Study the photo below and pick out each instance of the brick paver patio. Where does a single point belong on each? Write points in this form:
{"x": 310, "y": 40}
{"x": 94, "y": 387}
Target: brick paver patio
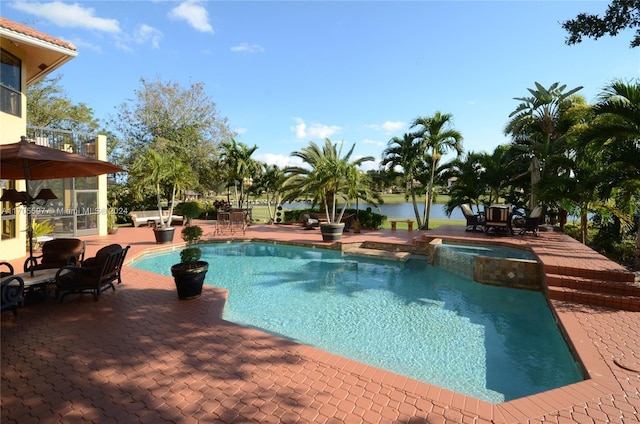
{"x": 140, "y": 355}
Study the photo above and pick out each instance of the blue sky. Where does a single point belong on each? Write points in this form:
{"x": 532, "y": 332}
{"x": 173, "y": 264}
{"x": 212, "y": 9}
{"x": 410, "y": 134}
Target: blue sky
{"x": 285, "y": 73}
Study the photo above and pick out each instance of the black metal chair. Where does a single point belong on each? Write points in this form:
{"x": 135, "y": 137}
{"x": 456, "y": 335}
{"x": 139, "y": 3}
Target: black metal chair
{"x": 12, "y": 293}
{"x": 530, "y": 223}
{"x": 9, "y": 270}
{"x": 474, "y": 220}
{"x": 95, "y": 275}
{"x": 498, "y": 219}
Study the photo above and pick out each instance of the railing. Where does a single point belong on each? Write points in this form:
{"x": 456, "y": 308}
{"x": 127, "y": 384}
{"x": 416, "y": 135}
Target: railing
{"x": 70, "y": 141}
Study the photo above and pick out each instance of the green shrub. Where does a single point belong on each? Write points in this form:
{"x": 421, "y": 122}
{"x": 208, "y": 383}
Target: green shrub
{"x": 367, "y": 218}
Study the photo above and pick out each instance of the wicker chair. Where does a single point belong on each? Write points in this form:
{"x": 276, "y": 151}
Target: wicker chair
{"x": 95, "y": 275}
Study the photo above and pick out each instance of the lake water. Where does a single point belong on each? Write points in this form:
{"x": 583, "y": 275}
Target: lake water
{"x": 396, "y": 210}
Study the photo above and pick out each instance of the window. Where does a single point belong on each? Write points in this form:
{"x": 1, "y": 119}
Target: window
{"x": 10, "y": 84}
{"x": 8, "y": 216}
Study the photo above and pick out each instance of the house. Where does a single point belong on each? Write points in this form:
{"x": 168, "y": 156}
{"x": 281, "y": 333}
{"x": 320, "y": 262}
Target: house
{"x": 27, "y": 57}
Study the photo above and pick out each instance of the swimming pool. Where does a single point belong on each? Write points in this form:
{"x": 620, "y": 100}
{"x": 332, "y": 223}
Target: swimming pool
{"x": 411, "y": 318}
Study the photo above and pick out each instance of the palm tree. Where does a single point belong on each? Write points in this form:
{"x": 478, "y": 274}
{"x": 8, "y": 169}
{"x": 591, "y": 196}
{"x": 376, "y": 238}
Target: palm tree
{"x": 239, "y": 165}
{"x": 165, "y": 174}
{"x": 270, "y": 183}
{"x": 535, "y": 127}
{"x": 436, "y": 138}
{"x": 616, "y": 132}
{"x": 404, "y": 153}
{"x": 327, "y": 177}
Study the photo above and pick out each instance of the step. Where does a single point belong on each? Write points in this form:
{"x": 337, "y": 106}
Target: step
{"x": 613, "y": 275}
{"x": 376, "y": 253}
{"x": 614, "y": 301}
{"x": 593, "y": 285}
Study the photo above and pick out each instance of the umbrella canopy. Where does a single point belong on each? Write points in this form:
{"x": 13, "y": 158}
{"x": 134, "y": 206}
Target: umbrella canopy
{"x": 30, "y": 161}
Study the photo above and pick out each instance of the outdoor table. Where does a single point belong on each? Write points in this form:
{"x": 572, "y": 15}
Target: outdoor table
{"x": 37, "y": 283}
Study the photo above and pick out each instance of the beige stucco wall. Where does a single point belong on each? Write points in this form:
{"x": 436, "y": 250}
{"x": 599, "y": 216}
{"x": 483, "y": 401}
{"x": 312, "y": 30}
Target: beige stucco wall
{"x": 11, "y": 128}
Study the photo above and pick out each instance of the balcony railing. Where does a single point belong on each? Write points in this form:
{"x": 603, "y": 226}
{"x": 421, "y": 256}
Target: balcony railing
{"x": 70, "y": 141}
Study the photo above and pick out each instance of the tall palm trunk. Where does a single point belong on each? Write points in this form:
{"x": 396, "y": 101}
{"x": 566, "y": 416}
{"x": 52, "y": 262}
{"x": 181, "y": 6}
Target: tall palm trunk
{"x": 414, "y": 201}
{"x": 428, "y": 199}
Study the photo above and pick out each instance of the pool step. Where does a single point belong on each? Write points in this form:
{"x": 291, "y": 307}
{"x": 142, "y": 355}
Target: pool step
{"x": 591, "y": 291}
{"x": 376, "y": 253}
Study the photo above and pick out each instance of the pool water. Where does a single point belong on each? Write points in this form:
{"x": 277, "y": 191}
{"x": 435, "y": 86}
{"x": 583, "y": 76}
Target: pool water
{"x": 411, "y": 318}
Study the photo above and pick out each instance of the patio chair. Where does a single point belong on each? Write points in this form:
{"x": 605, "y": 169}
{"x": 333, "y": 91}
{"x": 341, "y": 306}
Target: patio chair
{"x": 94, "y": 275}
{"x": 498, "y": 219}
{"x": 238, "y": 221}
{"x": 8, "y": 271}
{"x": 309, "y": 223}
{"x": 474, "y": 220}
{"x": 529, "y": 223}
{"x": 57, "y": 253}
{"x": 12, "y": 293}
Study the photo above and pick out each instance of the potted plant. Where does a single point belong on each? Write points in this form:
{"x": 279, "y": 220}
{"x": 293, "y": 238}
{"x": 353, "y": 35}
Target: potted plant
{"x": 112, "y": 221}
{"x": 164, "y": 173}
{"x": 327, "y": 178}
{"x": 189, "y": 274}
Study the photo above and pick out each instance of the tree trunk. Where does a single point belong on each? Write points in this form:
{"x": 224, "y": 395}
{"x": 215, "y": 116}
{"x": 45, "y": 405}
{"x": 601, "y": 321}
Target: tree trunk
{"x": 637, "y": 261}
{"x": 584, "y": 225}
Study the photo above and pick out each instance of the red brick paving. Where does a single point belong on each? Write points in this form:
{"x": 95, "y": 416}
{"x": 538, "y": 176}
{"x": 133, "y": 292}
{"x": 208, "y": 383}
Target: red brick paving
{"x": 140, "y": 355}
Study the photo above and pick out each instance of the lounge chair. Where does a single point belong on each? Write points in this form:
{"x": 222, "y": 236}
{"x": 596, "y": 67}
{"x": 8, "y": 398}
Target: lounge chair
{"x": 309, "y": 223}
{"x": 475, "y": 221}
{"x": 498, "y": 219}
{"x": 94, "y": 275}
{"x": 529, "y": 223}
{"x": 57, "y": 253}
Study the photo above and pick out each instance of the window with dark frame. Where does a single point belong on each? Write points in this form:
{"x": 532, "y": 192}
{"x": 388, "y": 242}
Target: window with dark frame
{"x": 10, "y": 84}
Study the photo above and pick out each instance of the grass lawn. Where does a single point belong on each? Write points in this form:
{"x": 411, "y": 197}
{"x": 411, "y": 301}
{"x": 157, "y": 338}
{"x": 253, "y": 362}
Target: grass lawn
{"x": 261, "y": 215}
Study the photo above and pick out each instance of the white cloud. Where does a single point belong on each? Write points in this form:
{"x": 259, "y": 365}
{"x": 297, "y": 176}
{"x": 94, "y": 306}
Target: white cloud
{"x": 240, "y": 131}
{"x": 281, "y": 161}
{"x": 194, "y": 14}
{"x": 146, "y": 33}
{"x": 315, "y": 131}
{"x": 374, "y": 142}
{"x": 68, "y": 15}
{"x": 248, "y": 48}
{"x": 389, "y": 127}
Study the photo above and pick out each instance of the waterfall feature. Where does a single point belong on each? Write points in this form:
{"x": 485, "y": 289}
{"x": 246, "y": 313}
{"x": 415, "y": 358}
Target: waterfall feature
{"x": 454, "y": 260}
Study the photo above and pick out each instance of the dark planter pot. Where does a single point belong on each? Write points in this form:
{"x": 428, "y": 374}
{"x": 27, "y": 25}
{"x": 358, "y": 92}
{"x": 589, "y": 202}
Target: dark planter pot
{"x": 112, "y": 230}
{"x": 331, "y": 231}
{"x": 164, "y": 235}
{"x": 189, "y": 279}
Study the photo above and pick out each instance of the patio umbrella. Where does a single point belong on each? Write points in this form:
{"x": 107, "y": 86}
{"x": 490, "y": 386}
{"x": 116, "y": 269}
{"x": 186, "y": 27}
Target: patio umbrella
{"x": 30, "y": 161}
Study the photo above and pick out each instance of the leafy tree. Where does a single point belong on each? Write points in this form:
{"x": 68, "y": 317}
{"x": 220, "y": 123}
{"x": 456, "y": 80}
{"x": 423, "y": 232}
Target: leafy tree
{"x": 620, "y": 14}
{"x": 615, "y": 133}
{"x": 185, "y": 117}
{"x": 48, "y": 106}
{"x": 536, "y": 128}
{"x": 436, "y": 136}
{"x": 468, "y": 186}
